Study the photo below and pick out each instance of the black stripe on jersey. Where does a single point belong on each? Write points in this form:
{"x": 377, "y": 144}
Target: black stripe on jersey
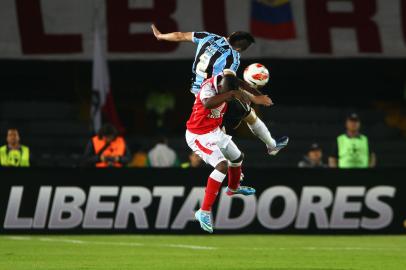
{"x": 229, "y": 61}
{"x": 200, "y": 35}
{"x": 215, "y": 57}
{"x": 213, "y": 60}
{"x": 202, "y": 50}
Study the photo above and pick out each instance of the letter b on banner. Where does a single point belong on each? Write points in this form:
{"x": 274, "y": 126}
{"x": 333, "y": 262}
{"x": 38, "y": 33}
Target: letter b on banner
{"x": 120, "y": 17}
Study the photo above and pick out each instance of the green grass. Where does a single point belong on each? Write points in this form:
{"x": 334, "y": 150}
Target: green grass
{"x": 202, "y": 252}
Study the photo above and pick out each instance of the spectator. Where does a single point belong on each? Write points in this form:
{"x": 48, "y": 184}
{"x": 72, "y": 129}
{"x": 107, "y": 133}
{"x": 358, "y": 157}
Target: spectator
{"x": 107, "y": 149}
{"x": 313, "y": 158}
{"x": 194, "y": 161}
{"x": 352, "y": 149}
{"x": 14, "y": 154}
{"x": 159, "y": 104}
{"x": 162, "y": 156}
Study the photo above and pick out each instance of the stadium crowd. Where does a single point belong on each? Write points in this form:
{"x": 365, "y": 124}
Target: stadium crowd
{"x": 351, "y": 149}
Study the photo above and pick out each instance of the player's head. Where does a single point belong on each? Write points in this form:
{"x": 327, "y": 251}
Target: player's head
{"x": 229, "y": 81}
{"x": 240, "y": 40}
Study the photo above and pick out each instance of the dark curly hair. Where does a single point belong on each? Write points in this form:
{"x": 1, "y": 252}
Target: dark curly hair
{"x": 241, "y": 40}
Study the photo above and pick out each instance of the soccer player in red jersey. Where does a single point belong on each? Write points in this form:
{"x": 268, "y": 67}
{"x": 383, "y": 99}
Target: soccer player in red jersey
{"x": 205, "y": 137}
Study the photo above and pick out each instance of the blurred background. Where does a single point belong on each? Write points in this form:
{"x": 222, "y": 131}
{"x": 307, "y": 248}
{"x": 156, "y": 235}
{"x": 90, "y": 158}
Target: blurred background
{"x": 60, "y": 61}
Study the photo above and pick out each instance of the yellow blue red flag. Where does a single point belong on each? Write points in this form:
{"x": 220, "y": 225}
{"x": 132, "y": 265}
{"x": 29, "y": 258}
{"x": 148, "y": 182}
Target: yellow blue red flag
{"x": 272, "y": 19}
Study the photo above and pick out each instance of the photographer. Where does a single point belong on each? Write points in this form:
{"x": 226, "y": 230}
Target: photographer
{"x": 107, "y": 149}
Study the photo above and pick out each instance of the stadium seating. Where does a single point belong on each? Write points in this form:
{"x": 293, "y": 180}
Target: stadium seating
{"x": 57, "y": 137}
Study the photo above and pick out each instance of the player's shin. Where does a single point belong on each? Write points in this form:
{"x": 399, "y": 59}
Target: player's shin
{"x": 259, "y": 129}
{"x": 234, "y": 175}
{"x": 212, "y": 189}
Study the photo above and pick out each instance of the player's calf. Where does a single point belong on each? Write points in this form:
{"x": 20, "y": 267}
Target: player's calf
{"x": 234, "y": 172}
{"x": 213, "y": 185}
{"x": 234, "y": 178}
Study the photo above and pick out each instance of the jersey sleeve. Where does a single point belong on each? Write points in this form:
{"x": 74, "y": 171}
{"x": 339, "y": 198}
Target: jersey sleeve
{"x": 207, "y": 91}
{"x": 198, "y": 36}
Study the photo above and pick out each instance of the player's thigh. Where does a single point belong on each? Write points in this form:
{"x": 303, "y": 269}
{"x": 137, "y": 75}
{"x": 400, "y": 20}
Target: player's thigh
{"x": 212, "y": 155}
{"x": 236, "y": 112}
{"x": 205, "y": 147}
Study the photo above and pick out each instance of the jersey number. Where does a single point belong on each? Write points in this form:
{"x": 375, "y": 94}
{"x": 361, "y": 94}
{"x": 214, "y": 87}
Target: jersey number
{"x": 201, "y": 67}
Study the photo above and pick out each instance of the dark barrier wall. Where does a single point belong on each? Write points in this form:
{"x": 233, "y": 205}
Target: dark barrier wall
{"x": 163, "y": 201}
{"x": 292, "y": 80}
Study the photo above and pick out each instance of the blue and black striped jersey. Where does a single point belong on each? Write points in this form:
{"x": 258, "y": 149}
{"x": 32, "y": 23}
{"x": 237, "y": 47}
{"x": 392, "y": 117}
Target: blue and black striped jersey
{"x": 213, "y": 55}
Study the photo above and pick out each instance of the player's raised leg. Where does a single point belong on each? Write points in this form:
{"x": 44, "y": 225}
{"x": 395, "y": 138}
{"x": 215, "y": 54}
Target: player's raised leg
{"x": 259, "y": 129}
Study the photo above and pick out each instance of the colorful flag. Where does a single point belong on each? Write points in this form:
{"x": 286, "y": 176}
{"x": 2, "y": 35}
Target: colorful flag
{"x": 102, "y": 99}
{"x": 272, "y": 19}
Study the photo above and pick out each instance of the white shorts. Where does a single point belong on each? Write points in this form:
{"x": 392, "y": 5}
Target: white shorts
{"x": 213, "y": 147}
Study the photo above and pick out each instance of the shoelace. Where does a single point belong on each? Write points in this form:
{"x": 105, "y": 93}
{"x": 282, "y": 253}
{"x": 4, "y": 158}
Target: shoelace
{"x": 206, "y": 218}
{"x": 245, "y": 189}
{"x": 281, "y": 144}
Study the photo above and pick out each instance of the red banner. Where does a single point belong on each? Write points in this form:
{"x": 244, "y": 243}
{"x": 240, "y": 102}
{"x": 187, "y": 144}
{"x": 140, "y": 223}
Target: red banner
{"x": 34, "y": 29}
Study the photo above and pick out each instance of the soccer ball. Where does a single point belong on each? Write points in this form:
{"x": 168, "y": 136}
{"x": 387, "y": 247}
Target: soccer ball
{"x": 256, "y": 75}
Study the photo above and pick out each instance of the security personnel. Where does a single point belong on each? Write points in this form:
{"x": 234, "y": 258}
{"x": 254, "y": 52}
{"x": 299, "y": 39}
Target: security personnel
{"x": 107, "y": 149}
{"x": 352, "y": 149}
{"x": 14, "y": 154}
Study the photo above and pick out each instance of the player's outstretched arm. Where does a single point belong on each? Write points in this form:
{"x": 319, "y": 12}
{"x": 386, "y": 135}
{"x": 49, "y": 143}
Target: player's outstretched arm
{"x": 264, "y": 100}
{"x": 215, "y": 101}
{"x": 174, "y": 36}
{"x": 245, "y": 86}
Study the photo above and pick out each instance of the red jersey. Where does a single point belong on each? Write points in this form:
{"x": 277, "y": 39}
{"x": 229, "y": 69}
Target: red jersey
{"x": 204, "y": 120}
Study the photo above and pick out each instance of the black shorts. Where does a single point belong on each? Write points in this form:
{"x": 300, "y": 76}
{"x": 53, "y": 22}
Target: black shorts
{"x": 236, "y": 112}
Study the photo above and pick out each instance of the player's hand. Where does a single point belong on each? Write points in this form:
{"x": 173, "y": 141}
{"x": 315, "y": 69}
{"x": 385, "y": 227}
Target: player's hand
{"x": 264, "y": 100}
{"x": 156, "y": 32}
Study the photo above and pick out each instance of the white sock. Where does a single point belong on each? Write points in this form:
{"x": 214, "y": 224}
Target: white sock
{"x": 217, "y": 176}
{"x": 261, "y": 131}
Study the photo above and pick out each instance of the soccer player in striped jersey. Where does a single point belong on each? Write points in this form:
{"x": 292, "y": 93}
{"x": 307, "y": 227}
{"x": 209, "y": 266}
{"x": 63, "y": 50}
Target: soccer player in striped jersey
{"x": 215, "y": 53}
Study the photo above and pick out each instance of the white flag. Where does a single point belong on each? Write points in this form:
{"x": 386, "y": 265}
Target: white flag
{"x": 102, "y": 100}
{"x": 100, "y": 82}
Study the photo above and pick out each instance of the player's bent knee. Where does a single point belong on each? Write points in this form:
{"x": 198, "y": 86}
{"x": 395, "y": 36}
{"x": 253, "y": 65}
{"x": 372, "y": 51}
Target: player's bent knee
{"x": 222, "y": 166}
{"x": 240, "y": 159}
{"x": 251, "y": 117}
